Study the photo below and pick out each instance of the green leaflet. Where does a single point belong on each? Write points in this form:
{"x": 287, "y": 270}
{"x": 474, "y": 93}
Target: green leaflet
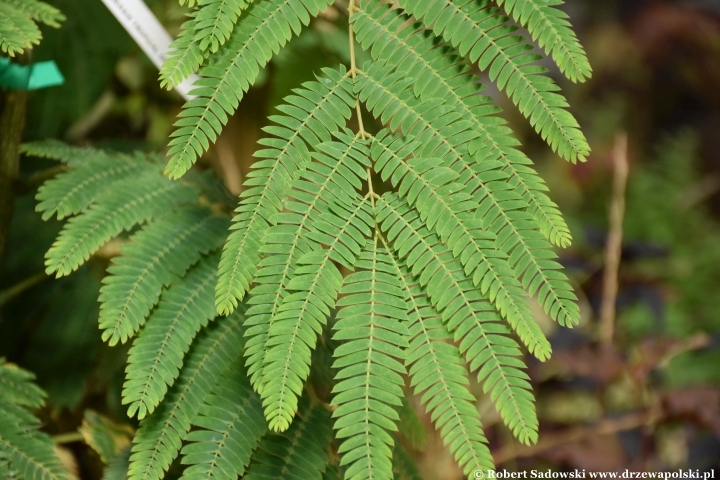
{"x": 230, "y": 425}
{"x": 38, "y": 11}
{"x": 311, "y": 293}
{"x": 61, "y": 151}
{"x": 17, "y": 30}
{"x": 439, "y": 73}
{"x": 267, "y": 26}
{"x": 371, "y": 323}
{"x": 156, "y": 256}
{"x": 474, "y": 322}
{"x": 287, "y": 240}
{"x": 158, "y": 440}
{"x": 317, "y": 110}
{"x": 502, "y": 209}
{"x": 184, "y": 56}
{"x": 215, "y": 21}
{"x": 482, "y": 34}
{"x": 17, "y": 387}
{"x": 131, "y": 202}
{"x": 438, "y": 375}
{"x": 71, "y": 192}
{"x": 299, "y": 452}
{"x": 549, "y": 27}
{"x": 25, "y": 452}
{"x": 444, "y": 207}
{"x": 155, "y": 359}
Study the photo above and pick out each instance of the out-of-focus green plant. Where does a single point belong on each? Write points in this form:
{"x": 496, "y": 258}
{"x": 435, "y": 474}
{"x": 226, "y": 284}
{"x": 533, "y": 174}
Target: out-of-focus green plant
{"x": 18, "y": 28}
{"x": 25, "y": 452}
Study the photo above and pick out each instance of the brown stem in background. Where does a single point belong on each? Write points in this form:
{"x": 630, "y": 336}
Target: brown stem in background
{"x": 613, "y": 250}
{"x": 12, "y": 292}
{"x": 13, "y": 105}
{"x": 550, "y": 440}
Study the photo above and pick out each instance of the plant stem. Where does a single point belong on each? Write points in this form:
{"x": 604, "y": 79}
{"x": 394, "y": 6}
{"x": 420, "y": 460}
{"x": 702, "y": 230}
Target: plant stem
{"x": 12, "y": 122}
{"x": 353, "y": 72}
{"x": 549, "y": 441}
{"x": 613, "y": 250}
{"x": 20, "y": 287}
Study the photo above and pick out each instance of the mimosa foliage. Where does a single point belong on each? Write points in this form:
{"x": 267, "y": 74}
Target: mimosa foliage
{"x": 18, "y": 23}
{"x": 25, "y": 452}
{"x": 411, "y": 284}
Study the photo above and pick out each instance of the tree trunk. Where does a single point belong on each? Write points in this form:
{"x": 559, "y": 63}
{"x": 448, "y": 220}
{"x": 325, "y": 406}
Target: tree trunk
{"x": 13, "y": 105}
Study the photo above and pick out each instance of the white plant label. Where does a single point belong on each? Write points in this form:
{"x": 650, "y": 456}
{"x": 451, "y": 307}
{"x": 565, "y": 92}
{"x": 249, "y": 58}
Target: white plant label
{"x": 144, "y": 27}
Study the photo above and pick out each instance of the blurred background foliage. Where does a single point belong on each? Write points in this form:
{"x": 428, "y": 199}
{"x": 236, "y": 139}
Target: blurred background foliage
{"x": 652, "y": 401}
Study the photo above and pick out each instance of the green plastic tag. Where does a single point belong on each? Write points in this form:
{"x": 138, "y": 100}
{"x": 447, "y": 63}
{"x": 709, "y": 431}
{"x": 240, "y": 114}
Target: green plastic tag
{"x": 29, "y": 77}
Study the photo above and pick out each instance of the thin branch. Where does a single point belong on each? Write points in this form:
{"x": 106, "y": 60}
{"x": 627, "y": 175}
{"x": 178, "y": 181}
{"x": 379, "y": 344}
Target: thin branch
{"x": 549, "y": 441}
{"x": 12, "y": 292}
{"x": 614, "y": 241}
{"x": 69, "y": 437}
{"x": 353, "y": 72}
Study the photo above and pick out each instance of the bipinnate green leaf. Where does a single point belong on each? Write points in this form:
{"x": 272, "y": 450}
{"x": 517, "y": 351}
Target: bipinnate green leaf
{"x": 311, "y": 116}
{"x": 155, "y": 257}
{"x": 372, "y": 324}
{"x": 157, "y": 355}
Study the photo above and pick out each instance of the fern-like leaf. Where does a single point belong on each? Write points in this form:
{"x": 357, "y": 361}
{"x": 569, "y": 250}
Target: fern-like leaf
{"x": 438, "y": 73}
{"x": 230, "y": 426}
{"x": 317, "y": 110}
{"x": 184, "y": 56}
{"x": 61, "y": 151}
{"x": 71, "y": 192}
{"x": 474, "y": 321}
{"x": 131, "y": 202}
{"x": 549, "y": 27}
{"x": 287, "y": 240}
{"x": 159, "y": 438}
{"x": 155, "y": 256}
{"x": 215, "y": 22}
{"x": 311, "y": 293}
{"x": 25, "y": 452}
{"x": 481, "y": 33}
{"x": 267, "y": 26}
{"x": 502, "y": 210}
{"x": 38, "y": 11}
{"x": 30, "y": 455}
{"x": 438, "y": 375}
{"x": 17, "y": 30}
{"x": 372, "y": 323}
{"x": 155, "y": 359}
{"x": 299, "y": 452}
{"x": 17, "y": 387}
{"x": 444, "y": 207}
